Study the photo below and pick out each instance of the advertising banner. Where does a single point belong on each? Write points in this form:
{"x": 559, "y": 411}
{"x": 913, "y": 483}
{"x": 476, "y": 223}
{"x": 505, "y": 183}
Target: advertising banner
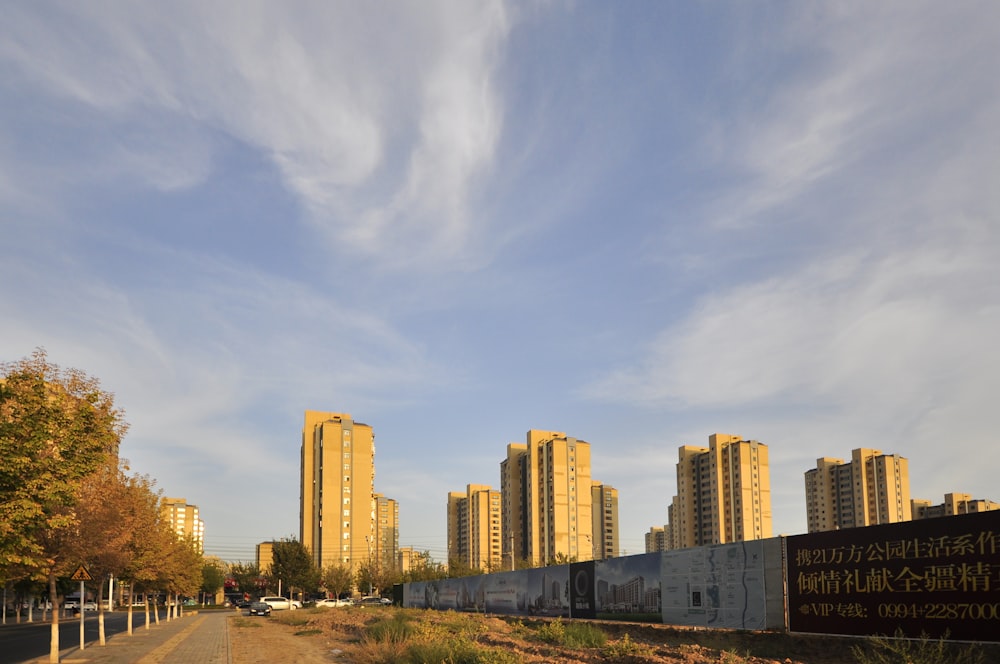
{"x": 929, "y": 576}
{"x": 720, "y": 586}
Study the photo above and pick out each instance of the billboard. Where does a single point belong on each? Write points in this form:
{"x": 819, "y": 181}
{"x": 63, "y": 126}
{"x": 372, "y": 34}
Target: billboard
{"x": 929, "y": 576}
{"x": 722, "y": 586}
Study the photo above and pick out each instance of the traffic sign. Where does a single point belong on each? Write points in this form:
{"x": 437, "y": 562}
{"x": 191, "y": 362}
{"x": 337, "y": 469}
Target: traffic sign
{"x": 81, "y": 574}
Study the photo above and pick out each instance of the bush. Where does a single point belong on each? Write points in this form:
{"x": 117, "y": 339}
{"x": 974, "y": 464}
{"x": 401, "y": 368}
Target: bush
{"x": 572, "y": 635}
{"x": 626, "y": 647}
{"x": 390, "y": 630}
{"x": 900, "y": 650}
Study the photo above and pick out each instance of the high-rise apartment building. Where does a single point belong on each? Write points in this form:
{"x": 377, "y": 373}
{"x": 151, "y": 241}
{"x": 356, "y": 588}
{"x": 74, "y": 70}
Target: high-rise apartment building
{"x": 183, "y": 519}
{"x": 386, "y": 547}
{"x": 954, "y": 503}
{"x": 337, "y": 506}
{"x": 604, "y": 510}
{"x": 656, "y": 539}
{"x": 474, "y": 527}
{"x": 872, "y": 488}
{"x": 265, "y": 557}
{"x": 723, "y": 492}
{"x": 545, "y": 485}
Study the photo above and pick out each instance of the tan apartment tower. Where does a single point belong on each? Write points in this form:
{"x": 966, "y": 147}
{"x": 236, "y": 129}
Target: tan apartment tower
{"x": 474, "y": 528}
{"x": 872, "y": 488}
{"x": 337, "y": 492}
{"x": 265, "y": 557}
{"x": 656, "y": 539}
{"x": 954, "y": 503}
{"x": 547, "y": 512}
{"x": 723, "y": 492}
{"x": 183, "y": 520}
{"x": 604, "y": 509}
{"x": 386, "y": 543}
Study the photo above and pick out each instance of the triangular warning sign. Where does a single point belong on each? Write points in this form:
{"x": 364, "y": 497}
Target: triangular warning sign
{"x": 81, "y": 574}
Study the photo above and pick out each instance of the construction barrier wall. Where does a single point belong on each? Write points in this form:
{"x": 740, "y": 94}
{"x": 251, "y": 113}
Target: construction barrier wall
{"x": 933, "y": 576}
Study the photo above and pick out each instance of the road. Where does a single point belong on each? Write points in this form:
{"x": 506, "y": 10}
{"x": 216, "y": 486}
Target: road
{"x": 28, "y": 641}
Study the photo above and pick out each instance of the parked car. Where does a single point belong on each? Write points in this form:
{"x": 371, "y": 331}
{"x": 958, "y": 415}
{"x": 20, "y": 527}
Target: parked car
{"x": 71, "y": 604}
{"x": 277, "y": 603}
{"x": 259, "y": 609}
{"x": 374, "y": 601}
{"x": 90, "y": 606}
{"x": 323, "y": 603}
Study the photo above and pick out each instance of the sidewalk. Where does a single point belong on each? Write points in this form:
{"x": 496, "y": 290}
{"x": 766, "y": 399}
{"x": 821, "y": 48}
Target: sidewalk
{"x": 192, "y": 639}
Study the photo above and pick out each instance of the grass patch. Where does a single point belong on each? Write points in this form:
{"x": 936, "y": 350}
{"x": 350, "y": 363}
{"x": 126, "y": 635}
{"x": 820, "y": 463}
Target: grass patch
{"x": 245, "y": 622}
{"x": 572, "y": 635}
{"x": 308, "y": 632}
{"x": 626, "y": 647}
{"x": 290, "y": 618}
{"x": 925, "y": 650}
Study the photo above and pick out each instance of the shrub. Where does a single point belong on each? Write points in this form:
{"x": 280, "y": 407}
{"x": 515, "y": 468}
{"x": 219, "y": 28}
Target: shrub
{"x": 396, "y": 629}
{"x": 626, "y": 647}
{"x": 572, "y": 635}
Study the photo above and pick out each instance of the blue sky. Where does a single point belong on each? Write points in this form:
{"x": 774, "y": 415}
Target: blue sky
{"x": 637, "y": 223}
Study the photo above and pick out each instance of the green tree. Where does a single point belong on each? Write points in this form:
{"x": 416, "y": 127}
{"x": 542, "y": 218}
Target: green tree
{"x": 423, "y": 568}
{"x": 293, "y": 566}
{"x": 212, "y": 577}
{"x": 57, "y": 426}
{"x": 337, "y": 579}
{"x": 246, "y": 576}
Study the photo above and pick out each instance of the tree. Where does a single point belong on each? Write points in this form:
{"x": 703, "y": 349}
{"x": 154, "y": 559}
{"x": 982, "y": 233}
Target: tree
{"x": 212, "y": 577}
{"x": 337, "y": 579}
{"x": 293, "y": 566}
{"x": 57, "y": 426}
{"x": 423, "y": 568}
{"x": 246, "y": 576}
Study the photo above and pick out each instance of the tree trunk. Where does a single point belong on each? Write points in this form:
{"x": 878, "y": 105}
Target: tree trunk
{"x": 54, "y": 639}
{"x": 100, "y": 613}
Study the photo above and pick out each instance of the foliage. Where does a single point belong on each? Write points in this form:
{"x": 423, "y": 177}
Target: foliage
{"x": 423, "y": 568}
{"x": 246, "y": 576}
{"x": 398, "y": 639}
{"x": 900, "y": 650}
{"x": 396, "y": 629}
{"x": 626, "y": 647}
{"x": 56, "y": 427}
{"x": 458, "y": 568}
{"x": 212, "y": 576}
{"x": 572, "y": 635}
{"x": 374, "y": 578}
{"x": 337, "y": 579}
{"x": 293, "y": 566}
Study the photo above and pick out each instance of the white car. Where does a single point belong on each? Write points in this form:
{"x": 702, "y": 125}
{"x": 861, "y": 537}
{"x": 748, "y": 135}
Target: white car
{"x": 277, "y": 603}
{"x": 90, "y": 606}
{"x": 333, "y": 603}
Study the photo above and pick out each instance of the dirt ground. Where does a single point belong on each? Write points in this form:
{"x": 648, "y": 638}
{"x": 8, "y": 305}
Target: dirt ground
{"x": 311, "y": 636}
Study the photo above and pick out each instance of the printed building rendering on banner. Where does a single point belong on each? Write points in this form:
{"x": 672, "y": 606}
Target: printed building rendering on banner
{"x": 542, "y": 591}
{"x": 720, "y": 586}
{"x": 929, "y": 576}
{"x": 628, "y": 588}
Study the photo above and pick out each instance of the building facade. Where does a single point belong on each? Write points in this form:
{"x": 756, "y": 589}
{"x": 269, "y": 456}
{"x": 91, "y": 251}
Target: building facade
{"x": 265, "y": 557}
{"x": 954, "y": 503}
{"x": 872, "y": 488}
{"x": 604, "y": 510}
{"x": 546, "y": 489}
{"x": 723, "y": 493}
{"x": 386, "y": 549}
{"x": 474, "y": 532}
{"x": 184, "y": 520}
{"x": 656, "y": 539}
{"x": 337, "y": 503}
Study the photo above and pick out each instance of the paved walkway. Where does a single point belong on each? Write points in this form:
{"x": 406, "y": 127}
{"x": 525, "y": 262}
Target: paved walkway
{"x": 192, "y": 639}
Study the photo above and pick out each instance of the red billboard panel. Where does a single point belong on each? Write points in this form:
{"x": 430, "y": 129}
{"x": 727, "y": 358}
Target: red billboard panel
{"x": 932, "y": 576}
